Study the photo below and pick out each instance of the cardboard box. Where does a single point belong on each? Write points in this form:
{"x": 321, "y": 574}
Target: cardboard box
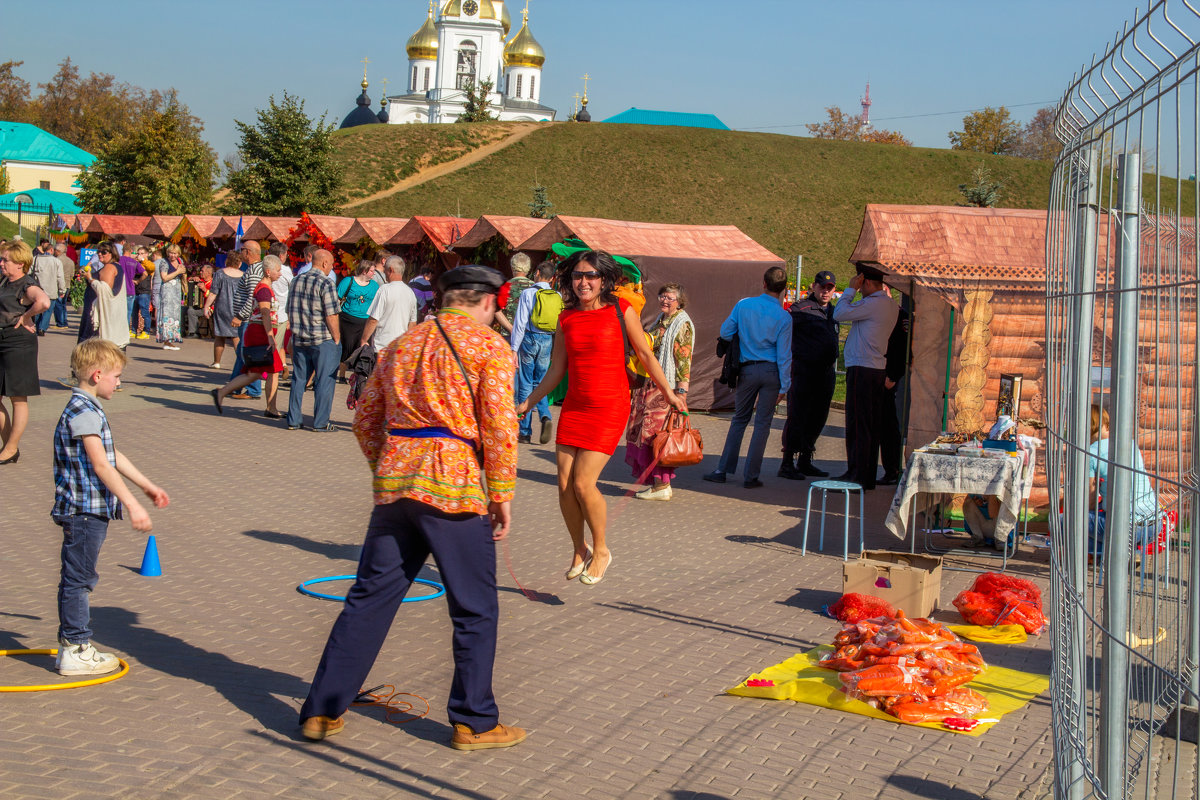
{"x": 910, "y": 582}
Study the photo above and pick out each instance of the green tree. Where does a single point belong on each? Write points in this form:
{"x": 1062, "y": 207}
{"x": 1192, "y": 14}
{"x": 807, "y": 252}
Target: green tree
{"x": 982, "y": 191}
{"x": 286, "y": 163}
{"x": 989, "y": 131}
{"x": 14, "y": 93}
{"x": 475, "y": 107}
{"x": 541, "y": 207}
{"x": 848, "y": 128}
{"x": 5, "y": 187}
{"x": 1038, "y": 140}
{"x": 162, "y": 166}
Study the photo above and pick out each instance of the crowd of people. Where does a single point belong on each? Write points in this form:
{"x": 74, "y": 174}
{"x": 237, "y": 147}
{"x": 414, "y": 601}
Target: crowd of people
{"x": 453, "y": 379}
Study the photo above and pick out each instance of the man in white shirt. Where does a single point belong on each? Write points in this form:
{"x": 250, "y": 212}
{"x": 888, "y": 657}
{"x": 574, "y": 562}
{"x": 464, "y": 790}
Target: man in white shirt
{"x": 871, "y": 321}
{"x": 394, "y": 309}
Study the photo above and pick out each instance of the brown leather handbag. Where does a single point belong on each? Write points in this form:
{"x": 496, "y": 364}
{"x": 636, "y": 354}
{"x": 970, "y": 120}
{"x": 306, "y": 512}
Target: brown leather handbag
{"x": 678, "y": 444}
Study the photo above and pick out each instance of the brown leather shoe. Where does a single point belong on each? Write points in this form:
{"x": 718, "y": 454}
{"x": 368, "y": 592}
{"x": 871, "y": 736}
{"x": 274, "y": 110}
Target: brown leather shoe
{"x": 318, "y": 728}
{"x": 239, "y": 396}
{"x": 500, "y": 736}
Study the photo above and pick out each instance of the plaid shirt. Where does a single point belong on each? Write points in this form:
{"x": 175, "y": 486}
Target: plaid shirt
{"x": 77, "y": 487}
{"x": 311, "y": 299}
{"x": 243, "y": 296}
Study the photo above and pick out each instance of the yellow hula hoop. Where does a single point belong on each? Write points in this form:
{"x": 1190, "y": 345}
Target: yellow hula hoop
{"x": 48, "y": 687}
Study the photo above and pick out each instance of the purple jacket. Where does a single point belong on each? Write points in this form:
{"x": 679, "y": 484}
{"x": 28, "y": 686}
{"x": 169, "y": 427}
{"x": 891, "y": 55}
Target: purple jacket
{"x": 132, "y": 269}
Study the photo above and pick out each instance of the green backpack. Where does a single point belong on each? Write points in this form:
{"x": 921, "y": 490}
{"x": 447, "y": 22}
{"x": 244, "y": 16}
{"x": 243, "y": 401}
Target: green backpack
{"x": 547, "y": 305}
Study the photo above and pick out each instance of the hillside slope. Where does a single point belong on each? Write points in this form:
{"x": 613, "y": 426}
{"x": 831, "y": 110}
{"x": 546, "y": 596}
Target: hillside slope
{"x": 793, "y": 195}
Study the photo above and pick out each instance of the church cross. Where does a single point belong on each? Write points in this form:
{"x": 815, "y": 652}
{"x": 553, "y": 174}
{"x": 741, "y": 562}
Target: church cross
{"x": 365, "y": 61}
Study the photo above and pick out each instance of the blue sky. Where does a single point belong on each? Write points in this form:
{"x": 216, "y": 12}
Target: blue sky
{"x": 768, "y": 65}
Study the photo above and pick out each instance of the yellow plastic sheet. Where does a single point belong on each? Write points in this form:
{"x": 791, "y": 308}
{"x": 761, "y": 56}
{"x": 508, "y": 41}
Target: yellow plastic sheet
{"x": 800, "y": 679}
{"x": 999, "y": 634}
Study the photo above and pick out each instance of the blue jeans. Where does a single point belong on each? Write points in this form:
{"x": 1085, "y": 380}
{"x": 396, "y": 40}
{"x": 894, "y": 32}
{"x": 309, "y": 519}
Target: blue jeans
{"x": 321, "y": 361}
{"x": 42, "y": 320}
{"x": 58, "y": 307}
{"x": 533, "y": 361}
{"x": 400, "y": 537}
{"x": 1143, "y": 533}
{"x": 758, "y": 388}
{"x": 83, "y": 534}
{"x": 140, "y": 304}
{"x": 254, "y": 389}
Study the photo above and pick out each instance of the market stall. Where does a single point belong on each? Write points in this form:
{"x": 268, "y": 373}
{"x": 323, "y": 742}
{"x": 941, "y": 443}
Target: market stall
{"x": 494, "y": 239}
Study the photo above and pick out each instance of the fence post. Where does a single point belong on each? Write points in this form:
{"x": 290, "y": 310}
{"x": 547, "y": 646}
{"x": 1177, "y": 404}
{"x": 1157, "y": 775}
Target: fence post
{"x": 1118, "y": 501}
{"x": 1082, "y": 287}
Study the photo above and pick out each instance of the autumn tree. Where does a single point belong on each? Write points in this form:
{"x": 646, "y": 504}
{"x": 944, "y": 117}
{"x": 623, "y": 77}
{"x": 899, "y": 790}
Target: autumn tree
{"x": 162, "y": 166}
{"x": 475, "y": 106}
{"x": 982, "y": 191}
{"x": 989, "y": 131}
{"x": 849, "y": 128}
{"x": 90, "y": 112}
{"x": 1037, "y": 139}
{"x": 14, "y": 93}
{"x": 286, "y": 163}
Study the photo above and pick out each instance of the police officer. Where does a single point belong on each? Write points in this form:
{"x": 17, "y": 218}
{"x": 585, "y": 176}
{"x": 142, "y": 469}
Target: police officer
{"x": 814, "y": 356}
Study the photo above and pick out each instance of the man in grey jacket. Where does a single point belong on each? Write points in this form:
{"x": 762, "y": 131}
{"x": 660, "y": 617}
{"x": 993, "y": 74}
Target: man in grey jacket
{"x": 48, "y": 271}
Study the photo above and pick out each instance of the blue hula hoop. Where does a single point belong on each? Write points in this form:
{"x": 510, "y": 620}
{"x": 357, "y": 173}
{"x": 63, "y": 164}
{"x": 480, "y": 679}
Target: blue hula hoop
{"x": 303, "y": 589}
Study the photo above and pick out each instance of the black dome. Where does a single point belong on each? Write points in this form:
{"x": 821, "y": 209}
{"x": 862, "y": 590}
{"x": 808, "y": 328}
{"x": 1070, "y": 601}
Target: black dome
{"x": 382, "y": 115}
{"x": 582, "y": 116}
{"x": 362, "y": 113}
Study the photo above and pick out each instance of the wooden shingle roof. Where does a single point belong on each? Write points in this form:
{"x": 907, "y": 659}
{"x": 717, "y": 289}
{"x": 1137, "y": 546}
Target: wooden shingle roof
{"x": 716, "y": 242}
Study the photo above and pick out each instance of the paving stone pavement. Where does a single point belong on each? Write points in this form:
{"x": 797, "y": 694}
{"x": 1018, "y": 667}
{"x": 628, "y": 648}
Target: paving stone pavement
{"x": 620, "y": 685}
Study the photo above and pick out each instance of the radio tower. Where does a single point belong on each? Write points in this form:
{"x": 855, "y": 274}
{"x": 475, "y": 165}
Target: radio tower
{"x": 866, "y": 108}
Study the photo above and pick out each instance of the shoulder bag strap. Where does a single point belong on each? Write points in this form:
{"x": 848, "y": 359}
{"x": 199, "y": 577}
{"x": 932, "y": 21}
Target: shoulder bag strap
{"x": 471, "y": 389}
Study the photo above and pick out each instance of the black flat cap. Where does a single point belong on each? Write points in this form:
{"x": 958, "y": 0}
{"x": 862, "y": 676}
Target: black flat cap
{"x": 472, "y": 276}
{"x": 823, "y": 278}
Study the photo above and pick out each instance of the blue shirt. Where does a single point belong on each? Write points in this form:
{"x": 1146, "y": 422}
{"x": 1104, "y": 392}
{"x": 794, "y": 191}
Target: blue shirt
{"x": 77, "y": 487}
{"x": 521, "y": 315}
{"x": 764, "y": 330}
{"x": 874, "y": 317}
{"x": 1145, "y": 504}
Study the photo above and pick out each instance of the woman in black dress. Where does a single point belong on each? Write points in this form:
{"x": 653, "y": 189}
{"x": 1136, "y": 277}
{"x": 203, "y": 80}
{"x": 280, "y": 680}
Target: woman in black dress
{"x": 21, "y": 299}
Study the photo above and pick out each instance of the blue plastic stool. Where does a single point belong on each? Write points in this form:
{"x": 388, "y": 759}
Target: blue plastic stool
{"x": 835, "y": 486}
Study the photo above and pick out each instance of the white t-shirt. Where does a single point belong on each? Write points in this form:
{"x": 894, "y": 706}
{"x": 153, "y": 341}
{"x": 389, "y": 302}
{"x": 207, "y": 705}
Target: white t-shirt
{"x": 280, "y": 288}
{"x": 395, "y": 308}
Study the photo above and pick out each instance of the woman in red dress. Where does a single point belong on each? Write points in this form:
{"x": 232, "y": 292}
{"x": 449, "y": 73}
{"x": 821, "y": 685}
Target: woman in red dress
{"x": 259, "y": 333}
{"x": 589, "y": 348}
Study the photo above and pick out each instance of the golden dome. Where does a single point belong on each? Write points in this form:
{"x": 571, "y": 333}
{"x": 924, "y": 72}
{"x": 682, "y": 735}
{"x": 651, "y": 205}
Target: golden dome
{"x": 505, "y": 19}
{"x": 453, "y": 8}
{"x": 523, "y": 50}
{"x": 424, "y": 43}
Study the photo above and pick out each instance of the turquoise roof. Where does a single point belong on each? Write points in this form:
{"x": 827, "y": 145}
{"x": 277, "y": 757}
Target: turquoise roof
{"x": 683, "y": 119}
{"x": 22, "y": 142}
{"x": 43, "y": 200}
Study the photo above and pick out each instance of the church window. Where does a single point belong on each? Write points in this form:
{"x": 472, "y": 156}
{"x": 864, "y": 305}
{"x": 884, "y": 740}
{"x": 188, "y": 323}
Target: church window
{"x": 532, "y": 79}
{"x": 427, "y": 79}
{"x": 518, "y": 86}
{"x": 468, "y": 57}
{"x": 413, "y": 85}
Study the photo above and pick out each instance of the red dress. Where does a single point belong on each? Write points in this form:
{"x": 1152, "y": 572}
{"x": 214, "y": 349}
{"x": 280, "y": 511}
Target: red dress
{"x": 256, "y": 336}
{"x": 596, "y": 408}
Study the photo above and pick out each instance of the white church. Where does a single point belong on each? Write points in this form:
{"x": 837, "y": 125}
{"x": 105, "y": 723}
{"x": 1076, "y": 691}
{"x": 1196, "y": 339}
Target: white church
{"x": 467, "y": 43}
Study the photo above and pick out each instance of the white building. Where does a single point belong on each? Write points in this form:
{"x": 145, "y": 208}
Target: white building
{"x": 467, "y": 43}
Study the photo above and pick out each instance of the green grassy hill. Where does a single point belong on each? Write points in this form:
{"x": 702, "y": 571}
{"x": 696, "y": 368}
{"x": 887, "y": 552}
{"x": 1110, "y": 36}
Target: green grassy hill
{"x": 791, "y": 194}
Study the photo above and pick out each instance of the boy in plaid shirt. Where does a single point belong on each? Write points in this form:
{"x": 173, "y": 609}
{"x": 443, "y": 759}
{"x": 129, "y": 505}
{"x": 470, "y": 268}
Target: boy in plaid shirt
{"x": 88, "y": 492}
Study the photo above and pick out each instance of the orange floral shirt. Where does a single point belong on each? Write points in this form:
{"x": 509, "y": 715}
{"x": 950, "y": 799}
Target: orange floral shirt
{"x": 417, "y": 384}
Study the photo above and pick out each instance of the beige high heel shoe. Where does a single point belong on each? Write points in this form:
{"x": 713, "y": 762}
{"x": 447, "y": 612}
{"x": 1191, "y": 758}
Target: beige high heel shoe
{"x": 577, "y": 570}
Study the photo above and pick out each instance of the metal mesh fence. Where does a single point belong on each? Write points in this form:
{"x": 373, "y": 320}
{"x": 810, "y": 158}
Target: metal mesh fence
{"x": 1121, "y": 408}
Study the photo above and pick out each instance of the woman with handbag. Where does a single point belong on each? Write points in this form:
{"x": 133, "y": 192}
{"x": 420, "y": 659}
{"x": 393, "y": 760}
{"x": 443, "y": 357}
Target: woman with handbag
{"x": 259, "y": 353}
{"x": 594, "y": 332}
{"x": 673, "y": 334}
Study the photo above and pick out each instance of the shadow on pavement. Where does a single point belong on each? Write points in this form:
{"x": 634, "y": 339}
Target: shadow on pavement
{"x": 923, "y": 787}
{"x": 331, "y": 550}
{"x": 812, "y": 600}
{"x": 251, "y": 689}
{"x": 712, "y": 625}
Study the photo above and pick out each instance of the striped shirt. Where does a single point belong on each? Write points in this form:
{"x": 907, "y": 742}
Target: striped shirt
{"x": 417, "y": 385}
{"x": 243, "y": 296}
{"x": 77, "y": 487}
{"x": 311, "y": 298}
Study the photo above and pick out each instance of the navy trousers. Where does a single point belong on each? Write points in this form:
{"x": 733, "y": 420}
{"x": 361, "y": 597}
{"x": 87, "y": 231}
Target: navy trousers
{"x": 400, "y": 537}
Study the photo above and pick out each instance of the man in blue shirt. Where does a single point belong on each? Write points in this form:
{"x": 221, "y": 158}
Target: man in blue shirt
{"x": 533, "y": 345}
{"x": 872, "y": 319}
{"x": 765, "y": 332}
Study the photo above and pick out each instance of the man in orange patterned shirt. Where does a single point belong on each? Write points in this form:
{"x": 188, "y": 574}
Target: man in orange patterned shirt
{"x": 438, "y": 407}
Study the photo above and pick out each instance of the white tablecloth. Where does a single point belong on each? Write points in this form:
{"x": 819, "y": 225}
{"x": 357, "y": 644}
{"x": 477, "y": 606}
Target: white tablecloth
{"x": 936, "y": 474}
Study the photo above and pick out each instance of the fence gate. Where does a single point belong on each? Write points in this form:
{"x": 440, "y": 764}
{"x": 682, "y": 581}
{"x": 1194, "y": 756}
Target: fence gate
{"x": 1122, "y": 340}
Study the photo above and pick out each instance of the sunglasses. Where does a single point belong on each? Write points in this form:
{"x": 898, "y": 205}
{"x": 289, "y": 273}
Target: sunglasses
{"x": 591, "y": 276}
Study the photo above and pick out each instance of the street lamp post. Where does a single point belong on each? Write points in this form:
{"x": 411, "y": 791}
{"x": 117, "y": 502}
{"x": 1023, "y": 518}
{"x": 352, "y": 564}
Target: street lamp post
{"x": 20, "y": 200}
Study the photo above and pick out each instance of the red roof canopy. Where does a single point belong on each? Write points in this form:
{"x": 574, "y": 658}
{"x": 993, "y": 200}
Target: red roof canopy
{"x": 514, "y": 230}
{"x": 333, "y": 227}
{"x": 273, "y": 228}
{"x": 440, "y": 231}
{"x": 113, "y": 224}
{"x": 379, "y": 230}
{"x": 162, "y": 225}
{"x": 715, "y": 242}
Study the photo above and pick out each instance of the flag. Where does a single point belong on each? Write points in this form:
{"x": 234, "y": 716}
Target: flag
{"x": 237, "y": 240}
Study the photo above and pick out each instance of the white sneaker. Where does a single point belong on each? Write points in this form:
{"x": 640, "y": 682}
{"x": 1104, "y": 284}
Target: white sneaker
{"x": 83, "y": 659}
{"x": 649, "y": 493}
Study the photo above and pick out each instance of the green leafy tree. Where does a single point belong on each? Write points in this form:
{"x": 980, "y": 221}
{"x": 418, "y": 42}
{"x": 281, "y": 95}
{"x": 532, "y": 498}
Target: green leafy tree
{"x": 475, "y": 107}
{"x": 162, "y": 166}
{"x": 848, "y": 128}
{"x": 5, "y": 187}
{"x": 541, "y": 207}
{"x": 982, "y": 191}
{"x": 286, "y": 163}
{"x": 14, "y": 93}
{"x": 989, "y": 131}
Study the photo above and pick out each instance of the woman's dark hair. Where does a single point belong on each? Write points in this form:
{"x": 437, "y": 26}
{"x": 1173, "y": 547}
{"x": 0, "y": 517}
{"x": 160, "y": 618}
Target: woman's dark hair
{"x": 107, "y": 247}
{"x": 602, "y": 262}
